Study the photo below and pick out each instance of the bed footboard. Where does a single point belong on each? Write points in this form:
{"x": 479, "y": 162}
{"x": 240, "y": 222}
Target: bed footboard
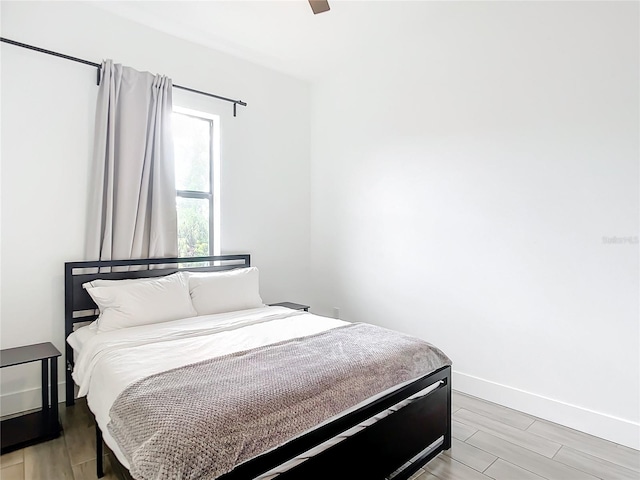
{"x": 394, "y": 447}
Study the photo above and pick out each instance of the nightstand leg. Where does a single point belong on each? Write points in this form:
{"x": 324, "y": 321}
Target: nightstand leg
{"x": 54, "y": 391}
{"x": 45, "y": 385}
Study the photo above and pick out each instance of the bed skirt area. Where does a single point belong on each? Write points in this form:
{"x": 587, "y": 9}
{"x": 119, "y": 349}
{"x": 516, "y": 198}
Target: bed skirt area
{"x": 394, "y": 447}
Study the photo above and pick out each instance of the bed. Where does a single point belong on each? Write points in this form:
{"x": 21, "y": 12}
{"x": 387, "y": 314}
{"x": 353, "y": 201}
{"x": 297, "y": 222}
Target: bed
{"x": 313, "y": 397}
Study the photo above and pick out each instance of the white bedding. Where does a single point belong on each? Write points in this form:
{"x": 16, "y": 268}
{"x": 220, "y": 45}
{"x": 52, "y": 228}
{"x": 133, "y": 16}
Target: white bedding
{"x": 107, "y": 362}
{"x": 110, "y": 361}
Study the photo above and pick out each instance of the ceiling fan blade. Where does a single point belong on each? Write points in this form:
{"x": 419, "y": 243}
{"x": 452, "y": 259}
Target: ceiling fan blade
{"x": 319, "y": 6}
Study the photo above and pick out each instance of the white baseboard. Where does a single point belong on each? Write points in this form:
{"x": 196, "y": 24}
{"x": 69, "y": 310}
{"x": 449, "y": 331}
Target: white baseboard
{"x": 614, "y": 429}
{"x": 17, "y": 402}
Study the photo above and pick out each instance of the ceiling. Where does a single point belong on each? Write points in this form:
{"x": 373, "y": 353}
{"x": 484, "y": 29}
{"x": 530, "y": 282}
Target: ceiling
{"x": 282, "y": 35}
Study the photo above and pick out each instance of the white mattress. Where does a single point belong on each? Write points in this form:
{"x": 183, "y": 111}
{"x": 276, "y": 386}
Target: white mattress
{"x": 107, "y": 362}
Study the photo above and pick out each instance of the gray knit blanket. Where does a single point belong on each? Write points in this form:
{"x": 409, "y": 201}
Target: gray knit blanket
{"x": 201, "y": 420}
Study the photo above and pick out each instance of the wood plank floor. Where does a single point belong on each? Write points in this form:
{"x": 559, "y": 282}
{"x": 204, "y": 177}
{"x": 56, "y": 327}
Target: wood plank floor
{"x": 490, "y": 442}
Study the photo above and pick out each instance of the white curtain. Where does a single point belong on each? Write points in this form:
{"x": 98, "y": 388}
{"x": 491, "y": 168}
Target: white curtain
{"x": 132, "y": 209}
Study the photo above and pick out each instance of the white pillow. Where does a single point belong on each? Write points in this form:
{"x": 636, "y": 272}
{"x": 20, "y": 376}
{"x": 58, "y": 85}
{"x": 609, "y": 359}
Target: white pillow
{"x": 226, "y": 291}
{"x": 141, "y": 303}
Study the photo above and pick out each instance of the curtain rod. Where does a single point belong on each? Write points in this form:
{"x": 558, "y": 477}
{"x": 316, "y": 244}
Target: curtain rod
{"x": 99, "y": 67}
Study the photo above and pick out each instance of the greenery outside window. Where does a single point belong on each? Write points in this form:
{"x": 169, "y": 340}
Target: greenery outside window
{"x": 196, "y": 144}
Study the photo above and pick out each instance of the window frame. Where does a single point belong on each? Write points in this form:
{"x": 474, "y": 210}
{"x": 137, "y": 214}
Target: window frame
{"x": 212, "y": 196}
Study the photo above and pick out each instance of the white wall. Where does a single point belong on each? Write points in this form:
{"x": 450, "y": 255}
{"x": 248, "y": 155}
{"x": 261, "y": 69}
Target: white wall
{"x": 463, "y": 178}
{"x": 47, "y": 108}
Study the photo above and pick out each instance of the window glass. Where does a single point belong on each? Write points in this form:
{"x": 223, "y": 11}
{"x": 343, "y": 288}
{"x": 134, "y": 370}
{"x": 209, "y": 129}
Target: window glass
{"x": 192, "y": 144}
{"x": 193, "y": 227}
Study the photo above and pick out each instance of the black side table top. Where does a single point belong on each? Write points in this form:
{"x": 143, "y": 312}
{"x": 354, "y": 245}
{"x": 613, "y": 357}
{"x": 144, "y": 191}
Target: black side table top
{"x": 294, "y": 306}
{"x": 28, "y": 353}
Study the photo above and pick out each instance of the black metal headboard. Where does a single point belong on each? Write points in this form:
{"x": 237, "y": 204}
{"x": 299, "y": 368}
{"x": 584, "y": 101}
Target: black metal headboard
{"x": 80, "y": 307}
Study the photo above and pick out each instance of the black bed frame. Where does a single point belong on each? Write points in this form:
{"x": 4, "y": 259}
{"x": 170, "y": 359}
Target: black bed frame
{"x": 394, "y": 447}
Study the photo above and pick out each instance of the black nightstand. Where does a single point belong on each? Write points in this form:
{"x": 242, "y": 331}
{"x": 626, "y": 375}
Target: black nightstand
{"x": 19, "y": 432}
{"x": 293, "y": 306}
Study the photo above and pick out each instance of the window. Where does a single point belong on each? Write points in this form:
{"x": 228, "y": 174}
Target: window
{"x": 196, "y": 143}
